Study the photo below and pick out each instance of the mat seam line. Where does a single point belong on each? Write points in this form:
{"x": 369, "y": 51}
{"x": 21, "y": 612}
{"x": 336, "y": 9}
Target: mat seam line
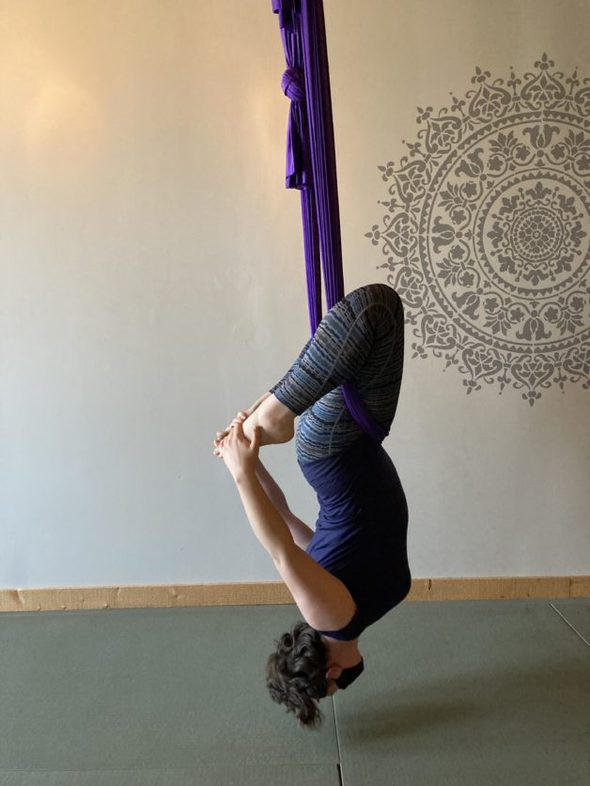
{"x": 575, "y": 630}
{"x": 339, "y": 765}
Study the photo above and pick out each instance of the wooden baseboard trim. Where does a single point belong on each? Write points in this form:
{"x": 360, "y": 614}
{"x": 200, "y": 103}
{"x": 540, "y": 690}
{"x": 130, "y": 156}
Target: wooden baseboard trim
{"x": 275, "y": 592}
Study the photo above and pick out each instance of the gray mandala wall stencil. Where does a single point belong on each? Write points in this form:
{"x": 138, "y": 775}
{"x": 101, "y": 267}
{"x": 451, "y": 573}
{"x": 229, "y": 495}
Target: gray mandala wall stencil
{"x": 487, "y": 231}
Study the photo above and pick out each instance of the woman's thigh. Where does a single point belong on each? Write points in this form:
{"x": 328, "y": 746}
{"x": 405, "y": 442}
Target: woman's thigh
{"x": 361, "y": 339}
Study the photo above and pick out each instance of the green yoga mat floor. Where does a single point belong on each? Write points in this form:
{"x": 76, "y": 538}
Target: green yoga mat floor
{"x": 468, "y": 693}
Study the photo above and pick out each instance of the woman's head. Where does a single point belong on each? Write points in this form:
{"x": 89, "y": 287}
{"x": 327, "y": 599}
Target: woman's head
{"x": 296, "y": 673}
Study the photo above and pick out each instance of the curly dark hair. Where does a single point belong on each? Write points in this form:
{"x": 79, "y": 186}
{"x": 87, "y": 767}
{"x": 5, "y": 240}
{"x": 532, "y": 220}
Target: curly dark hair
{"x": 296, "y": 673}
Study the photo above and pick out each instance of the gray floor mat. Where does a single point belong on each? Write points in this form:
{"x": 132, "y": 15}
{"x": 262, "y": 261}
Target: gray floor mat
{"x": 468, "y": 692}
{"x": 147, "y": 688}
{"x": 216, "y": 775}
{"x": 455, "y": 692}
{"x": 577, "y": 612}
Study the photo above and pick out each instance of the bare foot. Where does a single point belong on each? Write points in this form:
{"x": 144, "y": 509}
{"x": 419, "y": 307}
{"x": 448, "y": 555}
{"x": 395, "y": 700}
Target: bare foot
{"x": 274, "y": 418}
{"x": 241, "y": 416}
{"x": 277, "y": 422}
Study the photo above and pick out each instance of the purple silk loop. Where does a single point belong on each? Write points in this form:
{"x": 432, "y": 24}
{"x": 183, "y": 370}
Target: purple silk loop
{"x": 293, "y": 84}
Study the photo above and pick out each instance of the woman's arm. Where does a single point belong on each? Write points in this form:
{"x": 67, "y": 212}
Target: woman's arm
{"x": 267, "y": 523}
{"x": 269, "y": 484}
{"x": 302, "y": 534}
{"x": 323, "y": 600}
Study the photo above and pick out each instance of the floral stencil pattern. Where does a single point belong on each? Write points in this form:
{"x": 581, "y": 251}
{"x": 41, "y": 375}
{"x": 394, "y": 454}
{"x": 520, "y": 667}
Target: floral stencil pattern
{"x": 487, "y": 232}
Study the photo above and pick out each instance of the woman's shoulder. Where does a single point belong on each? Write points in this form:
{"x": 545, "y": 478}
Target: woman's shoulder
{"x": 323, "y": 599}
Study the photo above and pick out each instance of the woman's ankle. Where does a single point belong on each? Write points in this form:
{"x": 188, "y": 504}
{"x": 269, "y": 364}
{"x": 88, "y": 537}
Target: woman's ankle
{"x": 275, "y": 419}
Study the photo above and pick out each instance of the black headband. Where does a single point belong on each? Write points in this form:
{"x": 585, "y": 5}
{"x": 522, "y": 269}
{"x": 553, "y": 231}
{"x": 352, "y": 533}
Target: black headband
{"x": 349, "y": 675}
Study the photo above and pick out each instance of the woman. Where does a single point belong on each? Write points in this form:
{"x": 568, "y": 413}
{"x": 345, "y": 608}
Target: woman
{"x": 354, "y": 567}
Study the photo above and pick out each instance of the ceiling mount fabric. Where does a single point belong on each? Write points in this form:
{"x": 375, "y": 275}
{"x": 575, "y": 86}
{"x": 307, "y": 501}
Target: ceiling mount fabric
{"x": 311, "y": 167}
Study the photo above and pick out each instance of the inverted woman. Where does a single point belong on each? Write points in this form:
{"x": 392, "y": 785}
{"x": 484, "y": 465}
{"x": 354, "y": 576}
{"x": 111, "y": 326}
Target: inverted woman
{"x": 353, "y": 568}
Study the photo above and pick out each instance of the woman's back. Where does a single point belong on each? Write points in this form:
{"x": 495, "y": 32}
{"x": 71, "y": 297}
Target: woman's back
{"x": 361, "y": 530}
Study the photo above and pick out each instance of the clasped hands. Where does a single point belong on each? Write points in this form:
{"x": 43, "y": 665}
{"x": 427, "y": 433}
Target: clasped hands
{"x": 221, "y": 436}
{"x": 239, "y": 453}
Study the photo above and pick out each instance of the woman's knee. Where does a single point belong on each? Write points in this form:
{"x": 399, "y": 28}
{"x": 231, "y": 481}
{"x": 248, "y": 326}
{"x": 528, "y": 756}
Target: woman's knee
{"x": 373, "y": 294}
{"x": 375, "y": 305}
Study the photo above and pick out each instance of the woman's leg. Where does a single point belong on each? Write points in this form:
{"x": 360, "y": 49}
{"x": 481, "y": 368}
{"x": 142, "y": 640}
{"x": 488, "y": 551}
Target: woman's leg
{"x": 361, "y": 339}
{"x": 276, "y": 422}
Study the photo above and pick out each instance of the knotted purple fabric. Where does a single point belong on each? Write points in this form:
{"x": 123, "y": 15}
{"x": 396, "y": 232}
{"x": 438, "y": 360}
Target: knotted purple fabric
{"x": 293, "y": 84}
{"x": 311, "y": 166}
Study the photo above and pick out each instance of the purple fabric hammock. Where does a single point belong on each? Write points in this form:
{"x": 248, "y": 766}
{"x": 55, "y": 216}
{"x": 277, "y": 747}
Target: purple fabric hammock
{"x": 311, "y": 167}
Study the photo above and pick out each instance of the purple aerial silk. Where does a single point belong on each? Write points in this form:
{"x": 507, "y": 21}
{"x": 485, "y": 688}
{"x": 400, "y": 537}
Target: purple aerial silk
{"x": 311, "y": 166}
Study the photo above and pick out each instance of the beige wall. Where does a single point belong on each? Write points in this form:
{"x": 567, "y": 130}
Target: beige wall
{"x": 152, "y": 284}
